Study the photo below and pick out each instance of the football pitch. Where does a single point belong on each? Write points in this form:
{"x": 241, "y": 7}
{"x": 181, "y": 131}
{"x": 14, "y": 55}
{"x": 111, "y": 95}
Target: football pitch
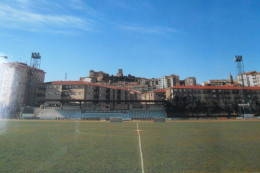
{"x": 81, "y": 146}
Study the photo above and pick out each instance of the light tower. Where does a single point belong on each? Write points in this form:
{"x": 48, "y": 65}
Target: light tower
{"x": 240, "y": 67}
{"x": 244, "y": 108}
{"x": 36, "y": 60}
{"x": 5, "y": 57}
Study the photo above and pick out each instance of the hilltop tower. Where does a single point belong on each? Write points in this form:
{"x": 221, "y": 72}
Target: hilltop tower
{"x": 120, "y": 73}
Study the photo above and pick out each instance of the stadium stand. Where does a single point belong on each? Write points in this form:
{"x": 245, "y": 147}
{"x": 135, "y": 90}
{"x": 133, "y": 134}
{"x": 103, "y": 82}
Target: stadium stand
{"x": 77, "y": 114}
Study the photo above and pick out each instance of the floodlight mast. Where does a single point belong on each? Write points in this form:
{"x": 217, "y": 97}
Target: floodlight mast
{"x": 5, "y": 57}
{"x": 36, "y": 60}
{"x": 240, "y": 67}
{"x": 240, "y": 72}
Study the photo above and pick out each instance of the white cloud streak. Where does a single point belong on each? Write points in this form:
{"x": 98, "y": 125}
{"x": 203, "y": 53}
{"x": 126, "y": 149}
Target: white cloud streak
{"x": 11, "y": 17}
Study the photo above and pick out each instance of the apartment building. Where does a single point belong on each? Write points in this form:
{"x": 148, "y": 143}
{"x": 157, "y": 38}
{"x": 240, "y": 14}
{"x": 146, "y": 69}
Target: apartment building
{"x": 203, "y": 100}
{"x": 18, "y": 83}
{"x": 169, "y": 81}
{"x": 251, "y": 78}
{"x": 80, "y": 90}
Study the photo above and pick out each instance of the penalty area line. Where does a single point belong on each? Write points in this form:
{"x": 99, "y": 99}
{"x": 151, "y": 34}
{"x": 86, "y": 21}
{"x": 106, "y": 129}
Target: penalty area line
{"x": 140, "y": 147}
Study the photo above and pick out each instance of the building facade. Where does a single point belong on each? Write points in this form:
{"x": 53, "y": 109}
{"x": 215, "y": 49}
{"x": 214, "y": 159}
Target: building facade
{"x": 190, "y": 81}
{"x": 168, "y": 81}
{"x": 80, "y": 90}
{"x": 212, "y": 100}
{"x": 154, "y": 95}
{"x": 94, "y": 77}
{"x": 249, "y": 79}
{"x": 120, "y": 73}
{"x": 18, "y": 83}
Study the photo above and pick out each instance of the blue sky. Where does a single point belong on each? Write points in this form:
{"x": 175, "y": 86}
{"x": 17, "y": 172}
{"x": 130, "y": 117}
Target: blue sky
{"x": 147, "y": 38}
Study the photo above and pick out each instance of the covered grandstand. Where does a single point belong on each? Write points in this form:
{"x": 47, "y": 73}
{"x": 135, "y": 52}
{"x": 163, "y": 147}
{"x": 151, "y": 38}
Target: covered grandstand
{"x": 77, "y": 114}
{"x": 100, "y": 110}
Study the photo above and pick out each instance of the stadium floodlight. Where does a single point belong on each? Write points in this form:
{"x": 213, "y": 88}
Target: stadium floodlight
{"x": 5, "y": 57}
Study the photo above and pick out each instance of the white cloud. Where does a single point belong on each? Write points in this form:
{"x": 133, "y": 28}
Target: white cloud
{"x": 25, "y": 19}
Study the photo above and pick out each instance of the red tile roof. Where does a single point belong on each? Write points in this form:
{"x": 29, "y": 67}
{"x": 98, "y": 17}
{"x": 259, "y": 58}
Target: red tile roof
{"x": 251, "y": 72}
{"x": 216, "y": 87}
{"x": 68, "y": 83}
{"x": 85, "y": 83}
{"x": 160, "y": 91}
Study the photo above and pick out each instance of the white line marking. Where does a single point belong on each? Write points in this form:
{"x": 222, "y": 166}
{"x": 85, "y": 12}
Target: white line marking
{"x": 140, "y": 147}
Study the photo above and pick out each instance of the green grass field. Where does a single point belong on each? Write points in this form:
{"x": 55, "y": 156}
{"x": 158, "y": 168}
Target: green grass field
{"x": 60, "y": 146}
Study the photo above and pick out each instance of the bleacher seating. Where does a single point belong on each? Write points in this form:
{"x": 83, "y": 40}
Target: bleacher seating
{"x": 77, "y": 114}
{"x": 146, "y": 113}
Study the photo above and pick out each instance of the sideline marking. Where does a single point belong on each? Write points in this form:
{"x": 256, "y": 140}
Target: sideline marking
{"x": 140, "y": 147}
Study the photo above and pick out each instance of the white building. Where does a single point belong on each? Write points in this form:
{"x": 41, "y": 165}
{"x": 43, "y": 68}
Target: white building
{"x": 251, "y": 78}
{"x": 17, "y": 87}
{"x": 168, "y": 81}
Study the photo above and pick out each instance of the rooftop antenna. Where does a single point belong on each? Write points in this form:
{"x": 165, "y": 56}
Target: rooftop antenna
{"x": 66, "y": 76}
{"x": 35, "y": 60}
